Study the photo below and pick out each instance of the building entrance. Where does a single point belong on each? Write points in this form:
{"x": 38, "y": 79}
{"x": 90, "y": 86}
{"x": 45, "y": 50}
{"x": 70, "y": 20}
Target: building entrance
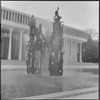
{"x": 15, "y": 46}
{"x": 4, "y": 43}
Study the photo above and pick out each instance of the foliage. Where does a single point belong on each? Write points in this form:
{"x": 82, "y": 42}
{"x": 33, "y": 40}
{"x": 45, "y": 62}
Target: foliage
{"x": 92, "y": 34}
{"x": 90, "y": 49}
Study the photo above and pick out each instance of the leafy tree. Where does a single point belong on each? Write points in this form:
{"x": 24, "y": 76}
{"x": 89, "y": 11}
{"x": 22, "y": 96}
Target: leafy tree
{"x": 92, "y": 34}
{"x": 90, "y": 49}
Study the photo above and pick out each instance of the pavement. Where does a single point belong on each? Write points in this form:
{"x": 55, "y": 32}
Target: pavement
{"x": 90, "y": 93}
{"x": 17, "y": 83}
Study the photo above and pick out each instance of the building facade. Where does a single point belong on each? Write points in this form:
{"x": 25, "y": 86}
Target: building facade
{"x": 15, "y": 34}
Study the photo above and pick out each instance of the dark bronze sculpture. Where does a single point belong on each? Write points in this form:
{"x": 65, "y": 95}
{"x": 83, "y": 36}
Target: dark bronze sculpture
{"x": 36, "y": 45}
{"x": 35, "y": 48}
{"x": 57, "y": 17}
{"x": 56, "y": 53}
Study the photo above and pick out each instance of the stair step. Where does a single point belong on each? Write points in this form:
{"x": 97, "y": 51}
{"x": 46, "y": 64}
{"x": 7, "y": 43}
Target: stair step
{"x": 13, "y": 62}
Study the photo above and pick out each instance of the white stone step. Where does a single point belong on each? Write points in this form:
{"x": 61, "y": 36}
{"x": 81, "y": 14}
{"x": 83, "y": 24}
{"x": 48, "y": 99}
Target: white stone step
{"x": 13, "y": 62}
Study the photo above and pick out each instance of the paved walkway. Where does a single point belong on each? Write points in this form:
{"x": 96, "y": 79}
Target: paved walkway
{"x": 80, "y": 93}
{"x": 19, "y": 84}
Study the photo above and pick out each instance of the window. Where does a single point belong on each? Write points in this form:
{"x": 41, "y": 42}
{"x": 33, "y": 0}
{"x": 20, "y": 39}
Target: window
{"x": 4, "y": 43}
{"x": 10, "y": 16}
{"x": 3, "y": 14}
{"x": 78, "y": 52}
{"x": 7, "y": 15}
{"x": 23, "y": 19}
{"x": 15, "y": 46}
{"x": 70, "y": 50}
{"x": 18, "y": 18}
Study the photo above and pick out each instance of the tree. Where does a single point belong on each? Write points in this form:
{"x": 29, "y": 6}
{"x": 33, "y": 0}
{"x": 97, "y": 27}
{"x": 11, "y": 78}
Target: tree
{"x": 92, "y": 34}
{"x": 90, "y": 51}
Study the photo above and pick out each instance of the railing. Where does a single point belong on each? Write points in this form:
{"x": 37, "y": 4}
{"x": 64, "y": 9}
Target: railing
{"x": 14, "y": 16}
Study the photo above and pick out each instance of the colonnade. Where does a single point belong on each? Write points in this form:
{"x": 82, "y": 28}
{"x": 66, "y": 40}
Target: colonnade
{"x": 71, "y": 50}
{"x": 15, "y": 16}
{"x": 10, "y": 45}
{"x": 74, "y": 51}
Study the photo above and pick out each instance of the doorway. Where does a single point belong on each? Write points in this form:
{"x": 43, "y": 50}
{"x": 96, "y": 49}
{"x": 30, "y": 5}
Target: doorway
{"x": 4, "y": 43}
{"x": 15, "y": 46}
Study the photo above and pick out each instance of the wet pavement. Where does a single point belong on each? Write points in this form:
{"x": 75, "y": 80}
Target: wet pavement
{"x": 18, "y": 84}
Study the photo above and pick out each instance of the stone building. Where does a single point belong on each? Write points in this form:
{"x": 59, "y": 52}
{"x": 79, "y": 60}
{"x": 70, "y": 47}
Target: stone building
{"x": 15, "y": 34}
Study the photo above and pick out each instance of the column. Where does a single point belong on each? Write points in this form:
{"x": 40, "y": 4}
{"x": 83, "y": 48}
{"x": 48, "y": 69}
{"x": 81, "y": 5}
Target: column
{"x": 9, "y": 49}
{"x": 20, "y": 46}
{"x": 80, "y": 52}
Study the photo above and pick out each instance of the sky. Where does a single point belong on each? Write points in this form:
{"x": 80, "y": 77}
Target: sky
{"x": 78, "y": 14}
